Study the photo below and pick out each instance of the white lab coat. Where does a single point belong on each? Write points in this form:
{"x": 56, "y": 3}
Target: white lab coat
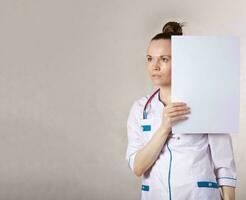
{"x": 189, "y": 167}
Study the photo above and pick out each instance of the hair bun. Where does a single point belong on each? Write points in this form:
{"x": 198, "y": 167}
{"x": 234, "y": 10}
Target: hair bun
{"x": 172, "y": 28}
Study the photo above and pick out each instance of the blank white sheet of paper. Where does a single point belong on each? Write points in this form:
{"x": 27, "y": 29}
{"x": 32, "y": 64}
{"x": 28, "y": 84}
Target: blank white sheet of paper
{"x": 206, "y": 75}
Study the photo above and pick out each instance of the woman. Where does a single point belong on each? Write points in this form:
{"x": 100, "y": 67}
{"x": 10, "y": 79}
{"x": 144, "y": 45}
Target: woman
{"x": 172, "y": 166}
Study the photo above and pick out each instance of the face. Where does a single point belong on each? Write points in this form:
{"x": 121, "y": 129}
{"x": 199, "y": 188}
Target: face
{"x": 159, "y": 62}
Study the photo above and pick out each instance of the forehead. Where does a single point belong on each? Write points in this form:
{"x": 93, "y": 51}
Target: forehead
{"x": 159, "y": 47}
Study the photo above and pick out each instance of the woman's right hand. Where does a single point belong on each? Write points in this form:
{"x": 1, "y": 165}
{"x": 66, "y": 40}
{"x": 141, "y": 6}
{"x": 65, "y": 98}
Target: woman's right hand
{"x": 173, "y": 113}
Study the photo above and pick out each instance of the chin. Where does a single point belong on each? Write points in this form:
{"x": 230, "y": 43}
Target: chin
{"x": 157, "y": 83}
{"x": 160, "y": 83}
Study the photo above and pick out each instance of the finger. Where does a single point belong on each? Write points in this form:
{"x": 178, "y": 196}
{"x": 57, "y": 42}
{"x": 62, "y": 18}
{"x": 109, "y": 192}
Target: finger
{"x": 179, "y": 118}
{"x": 179, "y": 113}
{"x": 174, "y": 104}
{"x": 179, "y": 108}
{"x": 178, "y": 103}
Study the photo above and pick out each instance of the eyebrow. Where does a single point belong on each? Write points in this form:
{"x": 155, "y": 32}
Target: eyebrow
{"x": 159, "y": 56}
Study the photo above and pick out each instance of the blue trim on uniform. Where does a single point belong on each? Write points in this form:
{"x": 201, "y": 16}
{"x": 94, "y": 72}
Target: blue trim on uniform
{"x": 224, "y": 177}
{"x": 145, "y": 114}
{"x": 169, "y": 173}
{"x": 146, "y": 127}
{"x": 208, "y": 184}
{"x": 145, "y": 188}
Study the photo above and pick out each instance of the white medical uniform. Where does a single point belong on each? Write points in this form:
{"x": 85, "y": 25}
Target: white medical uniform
{"x": 189, "y": 167}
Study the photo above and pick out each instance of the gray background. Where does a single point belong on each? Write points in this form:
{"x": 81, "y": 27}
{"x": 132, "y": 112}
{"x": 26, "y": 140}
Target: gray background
{"x": 69, "y": 72}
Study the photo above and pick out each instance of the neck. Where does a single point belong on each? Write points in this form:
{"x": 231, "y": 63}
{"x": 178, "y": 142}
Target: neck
{"x": 165, "y": 94}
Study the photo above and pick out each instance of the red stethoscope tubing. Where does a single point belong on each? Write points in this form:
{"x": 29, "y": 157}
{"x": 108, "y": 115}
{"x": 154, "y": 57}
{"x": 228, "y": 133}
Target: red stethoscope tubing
{"x": 149, "y": 100}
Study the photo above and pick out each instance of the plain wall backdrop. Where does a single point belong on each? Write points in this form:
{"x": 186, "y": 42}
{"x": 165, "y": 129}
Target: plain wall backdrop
{"x": 69, "y": 73}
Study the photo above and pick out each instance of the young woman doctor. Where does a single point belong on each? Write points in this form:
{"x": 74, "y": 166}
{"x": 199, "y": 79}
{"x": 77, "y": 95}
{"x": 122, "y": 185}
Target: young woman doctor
{"x": 172, "y": 166}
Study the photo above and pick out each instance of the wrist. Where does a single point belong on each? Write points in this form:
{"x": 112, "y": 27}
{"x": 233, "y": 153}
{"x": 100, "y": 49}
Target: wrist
{"x": 165, "y": 130}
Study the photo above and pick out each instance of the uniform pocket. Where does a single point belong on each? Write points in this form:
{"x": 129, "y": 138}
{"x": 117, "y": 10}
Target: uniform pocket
{"x": 146, "y": 129}
{"x": 207, "y": 184}
{"x": 208, "y": 190}
{"x": 146, "y": 125}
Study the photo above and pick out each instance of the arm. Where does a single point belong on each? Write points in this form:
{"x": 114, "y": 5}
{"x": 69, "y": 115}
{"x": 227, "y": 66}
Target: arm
{"x": 224, "y": 164}
{"x": 141, "y": 157}
{"x": 228, "y": 192}
{"x": 146, "y": 157}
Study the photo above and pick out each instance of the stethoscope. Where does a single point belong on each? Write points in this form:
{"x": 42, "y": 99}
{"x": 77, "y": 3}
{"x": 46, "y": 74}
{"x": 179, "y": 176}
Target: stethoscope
{"x": 145, "y": 113}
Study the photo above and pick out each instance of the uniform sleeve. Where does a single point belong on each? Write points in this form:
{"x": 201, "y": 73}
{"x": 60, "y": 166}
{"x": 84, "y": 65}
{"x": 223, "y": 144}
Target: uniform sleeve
{"x": 223, "y": 159}
{"x": 135, "y": 142}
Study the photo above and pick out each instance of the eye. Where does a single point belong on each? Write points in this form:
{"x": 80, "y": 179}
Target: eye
{"x": 149, "y": 59}
{"x": 163, "y": 59}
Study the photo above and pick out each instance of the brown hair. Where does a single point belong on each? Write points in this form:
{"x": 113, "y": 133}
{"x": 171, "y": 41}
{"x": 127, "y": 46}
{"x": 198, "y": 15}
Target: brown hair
{"x": 169, "y": 29}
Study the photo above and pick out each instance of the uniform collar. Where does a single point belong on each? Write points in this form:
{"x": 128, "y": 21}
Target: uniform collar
{"x": 157, "y": 105}
{"x": 157, "y": 99}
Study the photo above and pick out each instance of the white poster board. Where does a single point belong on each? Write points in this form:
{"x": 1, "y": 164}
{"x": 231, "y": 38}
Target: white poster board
{"x": 206, "y": 75}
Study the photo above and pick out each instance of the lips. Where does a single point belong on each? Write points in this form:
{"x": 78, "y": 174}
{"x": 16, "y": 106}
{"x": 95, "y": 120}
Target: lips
{"x": 156, "y": 76}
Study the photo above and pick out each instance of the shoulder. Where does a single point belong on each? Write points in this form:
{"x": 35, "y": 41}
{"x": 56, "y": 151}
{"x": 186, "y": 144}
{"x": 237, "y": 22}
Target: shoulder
{"x": 140, "y": 102}
{"x": 137, "y": 106}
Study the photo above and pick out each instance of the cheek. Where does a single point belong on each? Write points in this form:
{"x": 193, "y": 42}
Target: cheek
{"x": 166, "y": 70}
{"x": 169, "y": 69}
{"x": 149, "y": 68}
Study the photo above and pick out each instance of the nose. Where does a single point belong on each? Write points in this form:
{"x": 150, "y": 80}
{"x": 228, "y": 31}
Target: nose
{"x": 156, "y": 65}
